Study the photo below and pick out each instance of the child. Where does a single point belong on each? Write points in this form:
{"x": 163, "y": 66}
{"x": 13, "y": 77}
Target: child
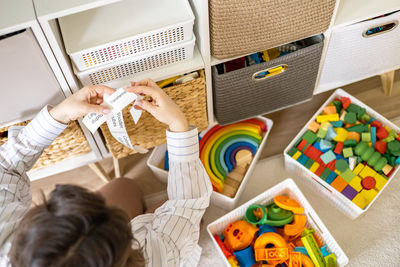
{"x": 76, "y": 227}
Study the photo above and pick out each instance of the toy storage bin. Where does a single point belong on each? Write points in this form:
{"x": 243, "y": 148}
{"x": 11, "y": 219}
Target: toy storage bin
{"x": 128, "y": 28}
{"x": 132, "y": 65}
{"x": 335, "y": 197}
{"x": 288, "y": 188}
{"x": 25, "y": 75}
{"x": 352, "y": 55}
{"x": 242, "y": 27}
{"x": 148, "y": 132}
{"x": 237, "y": 95}
{"x": 68, "y": 144}
{"x": 157, "y": 157}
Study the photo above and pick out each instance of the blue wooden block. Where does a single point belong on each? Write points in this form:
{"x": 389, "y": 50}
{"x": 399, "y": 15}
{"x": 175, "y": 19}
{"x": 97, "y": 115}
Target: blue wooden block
{"x": 337, "y": 124}
{"x": 398, "y": 160}
{"x": 303, "y": 159}
{"x": 373, "y": 136}
{"x": 325, "y": 145}
{"x": 332, "y": 176}
{"x": 328, "y": 156}
{"x": 330, "y": 134}
{"x": 317, "y": 146}
{"x": 339, "y": 156}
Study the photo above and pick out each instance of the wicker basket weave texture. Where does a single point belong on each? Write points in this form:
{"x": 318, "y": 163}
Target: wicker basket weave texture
{"x": 68, "y": 144}
{"x": 241, "y": 27}
{"x": 148, "y": 133}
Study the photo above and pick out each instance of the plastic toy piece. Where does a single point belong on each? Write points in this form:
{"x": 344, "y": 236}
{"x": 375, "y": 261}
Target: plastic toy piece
{"x": 312, "y": 248}
{"x": 341, "y": 135}
{"x": 265, "y": 228}
{"x": 272, "y": 254}
{"x": 256, "y": 214}
{"x": 387, "y": 169}
{"x": 245, "y": 257}
{"x": 239, "y": 235}
{"x": 349, "y": 192}
{"x": 328, "y": 157}
{"x": 330, "y": 110}
{"x": 330, "y": 260}
{"x": 278, "y": 216}
{"x": 347, "y": 152}
{"x": 233, "y": 261}
{"x": 330, "y": 117}
{"x": 268, "y": 238}
{"x": 314, "y": 126}
{"x": 356, "y": 183}
{"x": 299, "y": 221}
{"x": 339, "y": 147}
{"x": 223, "y": 248}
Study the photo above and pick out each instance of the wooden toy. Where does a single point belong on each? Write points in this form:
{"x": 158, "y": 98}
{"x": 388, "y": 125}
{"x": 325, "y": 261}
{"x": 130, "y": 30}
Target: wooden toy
{"x": 328, "y": 157}
{"x": 352, "y": 163}
{"x": 394, "y": 148}
{"x": 310, "y": 137}
{"x": 350, "y": 117}
{"x": 369, "y": 195}
{"x": 360, "y": 201}
{"x": 314, "y": 126}
{"x": 325, "y": 118}
{"x": 373, "y": 136}
{"x": 366, "y": 137}
{"x": 368, "y": 183}
{"x": 349, "y": 192}
{"x": 381, "y": 133}
{"x": 356, "y": 183}
{"x": 341, "y": 135}
{"x": 341, "y": 165}
{"x": 330, "y": 110}
{"x": 339, "y": 147}
{"x": 354, "y": 136}
{"x": 345, "y": 102}
{"x": 347, "y": 152}
{"x": 339, "y": 184}
{"x": 380, "y": 181}
{"x": 347, "y": 175}
{"x": 387, "y": 169}
{"x": 243, "y": 157}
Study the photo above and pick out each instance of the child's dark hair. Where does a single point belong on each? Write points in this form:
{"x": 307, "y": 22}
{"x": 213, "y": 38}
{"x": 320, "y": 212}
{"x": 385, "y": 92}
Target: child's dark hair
{"x": 74, "y": 228}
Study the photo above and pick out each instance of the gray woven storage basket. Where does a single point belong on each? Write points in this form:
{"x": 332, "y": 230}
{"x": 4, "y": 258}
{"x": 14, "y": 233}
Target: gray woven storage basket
{"x": 237, "y": 96}
{"x": 240, "y": 27}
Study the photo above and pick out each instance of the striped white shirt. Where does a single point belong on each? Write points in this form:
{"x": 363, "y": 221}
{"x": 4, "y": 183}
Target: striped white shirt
{"x": 169, "y": 236}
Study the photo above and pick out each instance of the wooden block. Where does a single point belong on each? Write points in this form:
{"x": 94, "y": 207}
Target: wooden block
{"x": 387, "y": 169}
{"x": 330, "y": 110}
{"x": 342, "y": 115}
{"x": 356, "y": 183}
{"x": 241, "y": 169}
{"x": 380, "y": 181}
{"x": 367, "y": 171}
{"x": 243, "y": 157}
{"x": 354, "y": 136}
{"x": 347, "y": 152}
{"x": 314, "y": 126}
{"x": 235, "y": 176}
{"x": 339, "y": 184}
{"x": 369, "y": 194}
{"x": 229, "y": 190}
{"x": 358, "y": 168}
{"x": 360, "y": 201}
{"x": 339, "y": 147}
{"x": 314, "y": 167}
{"x": 341, "y": 135}
{"x": 296, "y": 155}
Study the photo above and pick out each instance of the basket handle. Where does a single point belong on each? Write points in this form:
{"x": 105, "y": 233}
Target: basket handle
{"x": 379, "y": 29}
{"x": 268, "y": 73}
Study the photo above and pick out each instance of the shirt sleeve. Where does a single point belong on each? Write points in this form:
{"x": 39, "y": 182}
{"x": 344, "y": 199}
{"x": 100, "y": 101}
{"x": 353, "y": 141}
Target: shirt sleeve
{"x": 17, "y": 156}
{"x": 172, "y": 235}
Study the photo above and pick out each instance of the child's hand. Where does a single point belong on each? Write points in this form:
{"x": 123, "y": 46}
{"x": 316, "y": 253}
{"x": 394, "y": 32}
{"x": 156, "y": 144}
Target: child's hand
{"x": 161, "y": 107}
{"x": 86, "y": 100}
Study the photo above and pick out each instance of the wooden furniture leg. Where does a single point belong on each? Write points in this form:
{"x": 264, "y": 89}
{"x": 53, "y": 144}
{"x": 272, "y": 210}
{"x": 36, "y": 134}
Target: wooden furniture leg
{"x": 117, "y": 168}
{"x": 98, "y": 169}
{"x": 387, "y": 82}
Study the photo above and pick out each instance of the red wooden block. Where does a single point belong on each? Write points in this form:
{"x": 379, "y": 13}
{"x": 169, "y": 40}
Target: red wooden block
{"x": 398, "y": 137}
{"x": 376, "y": 124}
{"x": 391, "y": 172}
{"x": 368, "y": 182}
{"x": 320, "y": 170}
{"x": 380, "y": 146}
{"x": 331, "y": 165}
{"x": 345, "y": 101}
{"x": 339, "y": 147}
{"x": 381, "y": 133}
{"x": 302, "y": 144}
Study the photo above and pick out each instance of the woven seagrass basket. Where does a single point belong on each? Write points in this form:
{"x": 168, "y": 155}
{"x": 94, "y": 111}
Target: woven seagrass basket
{"x": 69, "y": 144}
{"x": 148, "y": 133}
{"x": 241, "y": 27}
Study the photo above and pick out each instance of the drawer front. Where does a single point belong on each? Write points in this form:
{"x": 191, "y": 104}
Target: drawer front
{"x": 237, "y": 96}
{"x": 352, "y": 56}
{"x": 242, "y": 27}
{"x": 27, "y": 81}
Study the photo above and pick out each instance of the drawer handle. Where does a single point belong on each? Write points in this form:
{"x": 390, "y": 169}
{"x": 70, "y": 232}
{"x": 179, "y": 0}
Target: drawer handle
{"x": 270, "y": 72}
{"x": 387, "y": 27}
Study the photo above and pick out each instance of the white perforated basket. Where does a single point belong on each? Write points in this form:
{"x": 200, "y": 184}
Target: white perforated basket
{"x": 218, "y": 199}
{"x": 336, "y": 198}
{"x": 352, "y": 55}
{"x": 132, "y": 65}
{"x": 128, "y": 28}
{"x": 290, "y": 189}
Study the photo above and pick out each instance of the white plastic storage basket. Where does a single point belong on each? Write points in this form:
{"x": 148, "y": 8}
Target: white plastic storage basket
{"x": 290, "y": 189}
{"x": 132, "y": 65}
{"x": 352, "y": 55}
{"x": 124, "y": 29}
{"x": 319, "y": 185}
{"x": 218, "y": 199}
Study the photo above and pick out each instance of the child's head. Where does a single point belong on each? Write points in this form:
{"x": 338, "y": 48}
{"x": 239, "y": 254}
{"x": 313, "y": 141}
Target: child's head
{"x": 74, "y": 228}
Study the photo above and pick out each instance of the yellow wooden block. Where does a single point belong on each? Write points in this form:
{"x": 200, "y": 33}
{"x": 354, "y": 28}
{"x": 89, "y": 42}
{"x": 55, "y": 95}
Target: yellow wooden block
{"x": 329, "y": 117}
{"x": 358, "y": 169}
{"x": 369, "y": 194}
{"x": 387, "y": 169}
{"x": 337, "y": 172}
{"x": 360, "y": 201}
{"x": 342, "y": 114}
{"x": 387, "y": 129}
{"x": 369, "y": 144}
{"x": 341, "y": 135}
{"x": 380, "y": 181}
{"x": 325, "y": 125}
{"x": 367, "y": 171}
{"x": 314, "y": 167}
{"x": 296, "y": 155}
{"x": 356, "y": 183}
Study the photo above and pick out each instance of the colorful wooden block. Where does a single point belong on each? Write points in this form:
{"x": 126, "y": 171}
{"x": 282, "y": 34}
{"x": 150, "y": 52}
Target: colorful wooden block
{"x": 322, "y": 133}
{"x": 339, "y": 184}
{"x": 373, "y": 136}
{"x": 387, "y": 169}
{"x": 292, "y": 151}
{"x": 303, "y": 159}
{"x": 332, "y": 176}
{"x": 356, "y": 183}
{"x": 360, "y": 201}
{"x": 309, "y": 163}
{"x": 350, "y": 117}
{"x": 353, "y": 136}
{"x": 330, "y": 110}
{"x": 353, "y": 108}
{"x": 345, "y": 102}
{"x": 368, "y": 183}
{"x": 320, "y": 170}
{"x": 342, "y": 115}
{"x": 347, "y": 152}
{"x": 352, "y": 162}
{"x": 359, "y": 128}
{"x": 367, "y": 171}
{"x": 349, "y": 192}
{"x": 314, "y": 167}
{"x": 330, "y": 117}
{"x": 341, "y": 165}
{"x": 330, "y": 134}
{"x": 314, "y": 126}
{"x": 369, "y": 194}
{"x": 302, "y": 144}
{"x": 325, "y": 145}
{"x": 310, "y": 137}
{"x": 296, "y": 155}
{"x": 398, "y": 160}
{"x": 325, "y": 174}
{"x": 339, "y": 147}
{"x": 380, "y": 181}
{"x": 337, "y": 124}
{"x": 341, "y": 135}
{"x": 381, "y": 133}
{"x": 347, "y": 175}
{"x": 338, "y": 105}
{"x": 328, "y": 156}
{"x": 350, "y": 143}
{"x": 366, "y": 137}
{"x": 358, "y": 168}
{"x": 331, "y": 165}
{"x": 393, "y": 148}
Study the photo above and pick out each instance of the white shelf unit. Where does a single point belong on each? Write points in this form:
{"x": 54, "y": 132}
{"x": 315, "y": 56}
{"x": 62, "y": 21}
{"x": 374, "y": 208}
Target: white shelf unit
{"x": 20, "y": 15}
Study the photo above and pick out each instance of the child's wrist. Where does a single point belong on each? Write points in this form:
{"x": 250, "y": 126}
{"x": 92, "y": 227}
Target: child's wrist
{"x": 56, "y": 114}
{"x": 179, "y": 126}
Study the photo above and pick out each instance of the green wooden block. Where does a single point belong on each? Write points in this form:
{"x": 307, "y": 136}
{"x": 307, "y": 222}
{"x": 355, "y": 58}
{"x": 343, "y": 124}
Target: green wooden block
{"x": 347, "y": 152}
{"x": 321, "y": 133}
{"x": 347, "y": 175}
{"x": 353, "y": 108}
{"x": 338, "y": 106}
{"x": 310, "y": 137}
{"x": 366, "y": 137}
{"x": 305, "y": 147}
{"x": 359, "y": 128}
{"x": 350, "y": 117}
{"x": 292, "y": 151}
{"x": 325, "y": 174}
{"x": 394, "y": 148}
{"x": 309, "y": 163}
{"x": 341, "y": 165}
{"x": 350, "y": 143}
{"x": 360, "y": 113}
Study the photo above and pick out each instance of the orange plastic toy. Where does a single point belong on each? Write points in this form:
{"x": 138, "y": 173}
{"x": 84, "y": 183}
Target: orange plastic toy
{"x": 299, "y": 221}
{"x": 239, "y": 235}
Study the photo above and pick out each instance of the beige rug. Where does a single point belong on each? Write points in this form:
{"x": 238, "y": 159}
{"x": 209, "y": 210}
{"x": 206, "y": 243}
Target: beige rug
{"x": 371, "y": 240}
